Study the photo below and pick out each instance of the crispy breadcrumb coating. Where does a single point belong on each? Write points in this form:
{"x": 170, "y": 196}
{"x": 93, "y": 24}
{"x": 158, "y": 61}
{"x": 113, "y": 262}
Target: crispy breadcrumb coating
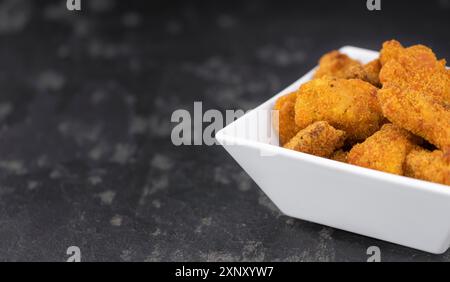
{"x": 372, "y": 70}
{"x": 418, "y": 68}
{"x": 419, "y": 114}
{"x": 284, "y": 118}
{"x": 386, "y": 150}
{"x": 416, "y": 93}
{"x": 338, "y": 65}
{"x": 350, "y": 105}
{"x": 426, "y": 165}
{"x": 319, "y": 139}
{"x": 390, "y": 50}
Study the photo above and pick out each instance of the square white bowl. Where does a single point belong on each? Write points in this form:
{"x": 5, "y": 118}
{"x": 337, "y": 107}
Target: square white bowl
{"x": 388, "y": 207}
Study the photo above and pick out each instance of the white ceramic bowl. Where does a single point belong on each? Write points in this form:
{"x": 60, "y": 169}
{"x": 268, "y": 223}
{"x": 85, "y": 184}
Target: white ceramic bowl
{"x": 393, "y": 208}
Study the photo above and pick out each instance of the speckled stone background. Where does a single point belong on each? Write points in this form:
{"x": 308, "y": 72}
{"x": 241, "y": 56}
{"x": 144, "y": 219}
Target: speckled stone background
{"x": 85, "y": 105}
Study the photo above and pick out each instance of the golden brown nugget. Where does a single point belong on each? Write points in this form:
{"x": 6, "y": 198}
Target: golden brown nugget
{"x": 390, "y": 50}
{"x": 350, "y": 105}
{"x": 372, "y": 70}
{"x": 426, "y": 165}
{"x": 416, "y": 94}
{"x": 284, "y": 118}
{"x": 319, "y": 139}
{"x": 418, "y": 68}
{"x": 340, "y": 156}
{"x": 386, "y": 150}
{"x": 336, "y": 64}
{"x": 418, "y": 114}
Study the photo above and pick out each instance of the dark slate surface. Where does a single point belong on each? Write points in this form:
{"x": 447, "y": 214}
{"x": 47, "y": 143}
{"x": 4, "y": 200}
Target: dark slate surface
{"x": 86, "y": 99}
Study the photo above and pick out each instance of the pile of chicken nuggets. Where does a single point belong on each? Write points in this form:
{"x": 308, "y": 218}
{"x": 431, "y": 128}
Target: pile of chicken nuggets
{"x": 392, "y": 114}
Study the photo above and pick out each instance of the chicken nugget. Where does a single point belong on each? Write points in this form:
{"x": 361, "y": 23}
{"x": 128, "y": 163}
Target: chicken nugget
{"x": 416, "y": 94}
{"x": 386, "y": 150}
{"x": 372, "y": 70}
{"x": 319, "y": 139}
{"x": 284, "y": 118}
{"x": 390, "y": 50}
{"x": 418, "y": 68}
{"x": 338, "y": 65}
{"x": 350, "y": 105}
{"x": 418, "y": 114}
{"x": 426, "y": 165}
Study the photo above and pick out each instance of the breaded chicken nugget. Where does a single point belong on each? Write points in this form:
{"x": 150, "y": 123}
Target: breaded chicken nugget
{"x": 426, "y": 165}
{"x": 390, "y": 50}
{"x": 339, "y": 156}
{"x": 386, "y": 150}
{"x": 350, "y": 105}
{"x": 284, "y": 117}
{"x": 419, "y": 68}
{"x": 319, "y": 139}
{"x": 372, "y": 70}
{"x": 419, "y": 114}
{"x": 416, "y": 94}
{"x": 338, "y": 65}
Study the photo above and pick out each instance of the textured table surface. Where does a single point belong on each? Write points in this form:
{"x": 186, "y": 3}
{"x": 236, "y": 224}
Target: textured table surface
{"x": 86, "y": 98}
